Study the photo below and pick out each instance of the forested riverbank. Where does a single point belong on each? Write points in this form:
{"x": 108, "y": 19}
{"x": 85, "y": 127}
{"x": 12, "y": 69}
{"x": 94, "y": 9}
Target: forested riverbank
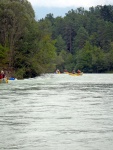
{"x": 80, "y": 40}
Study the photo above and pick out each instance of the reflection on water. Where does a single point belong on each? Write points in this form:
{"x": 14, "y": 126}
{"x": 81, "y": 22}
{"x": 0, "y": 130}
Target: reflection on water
{"x": 57, "y": 112}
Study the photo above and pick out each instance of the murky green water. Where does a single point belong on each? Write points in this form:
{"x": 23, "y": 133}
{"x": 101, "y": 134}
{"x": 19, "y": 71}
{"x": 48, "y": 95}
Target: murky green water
{"x": 57, "y": 112}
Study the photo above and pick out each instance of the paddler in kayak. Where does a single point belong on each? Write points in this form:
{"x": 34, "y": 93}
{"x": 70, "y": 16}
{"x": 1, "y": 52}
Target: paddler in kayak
{"x": 2, "y": 74}
{"x": 58, "y": 71}
{"x": 3, "y": 78}
{"x": 73, "y": 72}
{"x": 65, "y": 71}
{"x": 78, "y": 71}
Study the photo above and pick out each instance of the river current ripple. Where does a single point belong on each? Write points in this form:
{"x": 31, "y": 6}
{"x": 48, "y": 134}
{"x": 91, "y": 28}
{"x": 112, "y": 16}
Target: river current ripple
{"x": 57, "y": 112}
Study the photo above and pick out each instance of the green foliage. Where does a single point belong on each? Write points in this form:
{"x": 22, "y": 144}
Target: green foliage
{"x": 20, "y": 73}
{"x": 46, "y": 50}
{"x": 84, "y": 58}
{"x": 109, "y": 59}
{"x": 60, "y": 44}
{"x": 37, "y": 49}
{"x": 90, "y": 59}
{"x": 15, "y": 18}
{"x": 64, "y": 60}
{"x": 4, "y": 56}
{"x": 107, "y": 13}
{"x": 80, "y": 40}
{"x": 78, "y": 26}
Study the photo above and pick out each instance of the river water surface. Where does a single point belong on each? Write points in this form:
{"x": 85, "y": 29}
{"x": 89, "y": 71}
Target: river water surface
{"x": 57, "y": 112}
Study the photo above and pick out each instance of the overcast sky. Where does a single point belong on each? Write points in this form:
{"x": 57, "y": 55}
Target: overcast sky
{"x": 60, "y": 7}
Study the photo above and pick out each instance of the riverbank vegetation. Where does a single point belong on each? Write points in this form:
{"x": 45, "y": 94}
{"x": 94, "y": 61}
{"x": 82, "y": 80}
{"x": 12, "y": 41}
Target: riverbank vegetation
{"x": 83, "y": 39}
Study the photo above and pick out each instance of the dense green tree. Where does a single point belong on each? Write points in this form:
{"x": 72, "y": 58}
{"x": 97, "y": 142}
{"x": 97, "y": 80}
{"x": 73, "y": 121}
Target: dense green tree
{"x": 46, "y": 50}
{"x": 107, "y": 13}
{"x": 90, "y": 59}
{"x": 64, "y": 61}
{"x": 98, "y": 62}
{"x": 109, "y": 59}
{"x": 60, "y": 44}
{"x": 4, "y": 59}
{"x": 36, "y": 53}
{"x": 84, "y": 58}
{"x": 58, "y": 28}
{"x": 14, "y": 20}
{"x": 80, "y": 39}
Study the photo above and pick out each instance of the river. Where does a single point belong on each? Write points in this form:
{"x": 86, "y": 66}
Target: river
{"x": 57, "y": 112}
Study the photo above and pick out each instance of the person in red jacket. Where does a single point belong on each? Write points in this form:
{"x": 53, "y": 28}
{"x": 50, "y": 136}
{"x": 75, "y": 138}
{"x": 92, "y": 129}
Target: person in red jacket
{"x": 2, "y": 75}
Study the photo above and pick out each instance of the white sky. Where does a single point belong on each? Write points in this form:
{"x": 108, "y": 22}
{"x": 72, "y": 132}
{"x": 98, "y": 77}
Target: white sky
{"x": 61, "y": 7}
{"x": 69, "y": 3}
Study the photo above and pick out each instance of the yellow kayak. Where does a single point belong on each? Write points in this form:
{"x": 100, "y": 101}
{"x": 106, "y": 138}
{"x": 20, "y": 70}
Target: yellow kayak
{"x": 4, "y": 80}
{"x": 76, "y": 74}
{"x": 57, "y": 72}
{"x": 81, "y": 73}
{"x": 66, "y": 72}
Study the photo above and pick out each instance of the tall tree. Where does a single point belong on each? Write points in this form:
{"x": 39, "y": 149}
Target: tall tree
{"x": 90, "y": 59}
{"x": 60, "y": 44}
{"x": 80, "y": 39}
{"x": 14, "y": 21}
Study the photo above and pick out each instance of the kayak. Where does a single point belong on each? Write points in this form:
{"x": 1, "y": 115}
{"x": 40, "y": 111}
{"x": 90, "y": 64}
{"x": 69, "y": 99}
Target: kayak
{"x": 76, "y": 74}
{"x": 11, "y": 78}
{"x": 73, "y": 74}
{"x": 4, "y": 80}
{"x": 57, "y": 72}
{"x": 66, "y": 72}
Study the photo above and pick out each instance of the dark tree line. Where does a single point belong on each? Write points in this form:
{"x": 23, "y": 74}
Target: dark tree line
{"x": 83, "y": 39}
{"x": 86, "y": 38}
